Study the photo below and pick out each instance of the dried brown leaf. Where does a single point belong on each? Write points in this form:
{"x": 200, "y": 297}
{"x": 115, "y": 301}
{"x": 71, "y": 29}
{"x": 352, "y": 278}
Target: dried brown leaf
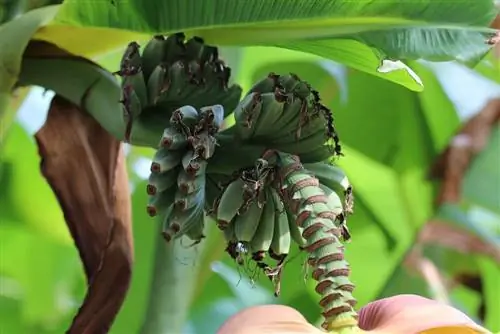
{"x": 453, "y": 163}
{"x": 85, "y": 167}
{"x": 459, "y": 239}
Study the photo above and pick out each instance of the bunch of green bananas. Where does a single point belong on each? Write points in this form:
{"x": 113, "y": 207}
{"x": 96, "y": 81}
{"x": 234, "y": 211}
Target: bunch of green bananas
{"x": 266, "y": 181}
{"x": 169, "y": 74}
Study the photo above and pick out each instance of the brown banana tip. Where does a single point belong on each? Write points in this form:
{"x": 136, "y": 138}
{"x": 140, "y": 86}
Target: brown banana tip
{"x": 151, "y": 189}
{"x": 151, "y": 211}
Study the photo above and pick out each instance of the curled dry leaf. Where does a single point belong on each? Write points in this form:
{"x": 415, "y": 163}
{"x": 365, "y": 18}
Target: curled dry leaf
{"x": 85, "y": 167}
{"x": 453, "y": 163}
{"x": 459, "y": 239}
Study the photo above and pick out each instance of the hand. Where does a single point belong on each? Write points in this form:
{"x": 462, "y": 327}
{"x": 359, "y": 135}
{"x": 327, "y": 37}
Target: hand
{"x": 402, "y": 314}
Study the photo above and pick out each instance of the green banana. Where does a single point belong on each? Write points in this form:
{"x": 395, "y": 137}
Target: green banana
{"x": 165, "y": 160}
{"x": 194, "y": 48}
{"x": 317, "y": 154}
{"x": 334, "y": 201}
{"x": 269, "y": 118}
{"x": 188, "y": 184}
{"x": 213, "y": 116}
{"x": 184, "y": 119}
{"x": 290, "y": 118}
{"x": 288, "y": 82}
{"x": 185, "y": 202}
{"x": 246, "y": 114}
{"x": 230, "y": 202}
{"x": 157, "y": 83}
{"x": 152, "y": 55}
{"x": 175, "y": 48}
{"x": 172, "y": 139}
{"x": 329, "y": 175}
{"x": 281, "y": 242}
{"x": 176, "y": 89}
{"x": 195, "y": 232}
{"x": 160, "y": 202}
{"x": 246, "y": 223}
{"x": 131, "y": 102}
{"x": 192, "y": 164}
{"x": 303, "y": 145}
{"x": 295, "y": 230}
{"x": 266, "y": 85}
{"x": 158, "y": 183}
{"x": 136, "y": 81}
{"x": 131, "y": 62}
{"x": 229, "y": 234}
{"x": 181, "y": 221}
{"x": 261, "y": 241}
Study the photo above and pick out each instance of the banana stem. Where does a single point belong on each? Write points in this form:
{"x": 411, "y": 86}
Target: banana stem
{"x": 326, "y": 252}
{"x": 171, "y": 287}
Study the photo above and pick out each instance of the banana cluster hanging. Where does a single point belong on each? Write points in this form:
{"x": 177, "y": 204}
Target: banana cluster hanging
{"x": 266, "y": 181}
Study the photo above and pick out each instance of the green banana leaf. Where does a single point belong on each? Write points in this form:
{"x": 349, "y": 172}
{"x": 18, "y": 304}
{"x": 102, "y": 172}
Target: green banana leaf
{"x": 14, "y": 37}
{"x": 359, "y": 34}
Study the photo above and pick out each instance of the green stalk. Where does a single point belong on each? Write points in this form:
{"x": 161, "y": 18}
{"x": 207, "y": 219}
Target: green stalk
{"x": 174, "y": 274}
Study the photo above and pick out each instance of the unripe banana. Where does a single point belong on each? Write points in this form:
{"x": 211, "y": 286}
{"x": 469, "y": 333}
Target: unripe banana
{"x": 160, "y": 202}
{"x": 165, "y": 160}
{"x": 187, "y": 183}
{"x": 175, "y": 48}
{"x": 246, "y": 223}
{"x": 172, "y": 139}
{"x": 317, "y": 154}
{"x": 158, "y": 183}
{"x": 139, "y": 87}
{"x": 303, "y": 145}
{"x": 229, "y": 234}
{"x": 329, "y": 175}
{"x": 295, "y": 230}
{"x": 177, "y": 87}
{"x": 152, "y": 55}
{"x": 281, "y": 242}
{"x": 195, "y": 232}
{"x": 290, "y": 119}
{"x": 184, "y": 119}
{"x": 194, "y": 48}
{"x": 192, "y": 164}
{"x": 246, "y": 114}
{"x": 203, "y": 145}
{"x": 289, "y": 82}
{"x": 131, "y": 62}
{"x": 132, "y": 107}
{"x": 212, "y": 117}
{"x": 334, "y": 201}
{"x": 266, "y": 85}
{"x": 263, "y": 237}
{"x": 185, "y": 202}
{"x": 181, "y": 221}
{"x": 269, "y": 118}
{"x": 230, "y": 202}
{"x": 157, "y": 83}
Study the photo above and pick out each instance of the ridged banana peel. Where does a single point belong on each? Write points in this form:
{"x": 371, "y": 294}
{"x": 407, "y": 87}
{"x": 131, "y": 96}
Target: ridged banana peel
{"x": 265, "y": 181}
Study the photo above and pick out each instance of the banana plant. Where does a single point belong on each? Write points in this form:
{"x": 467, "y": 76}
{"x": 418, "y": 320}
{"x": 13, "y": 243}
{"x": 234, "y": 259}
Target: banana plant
{"x": 270, "y": 179}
